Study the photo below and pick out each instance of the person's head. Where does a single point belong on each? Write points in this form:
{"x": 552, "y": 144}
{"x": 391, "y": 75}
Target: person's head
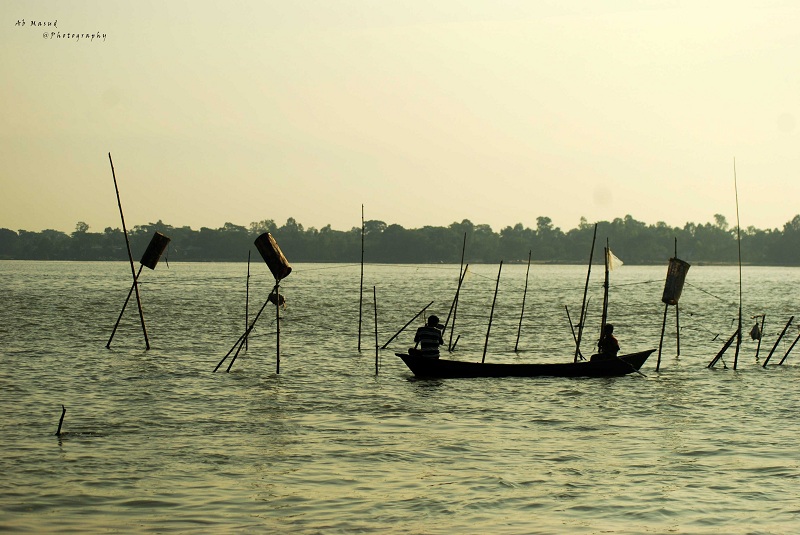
{"x": 609, "y": 328}
{"x": 433, "y": 321}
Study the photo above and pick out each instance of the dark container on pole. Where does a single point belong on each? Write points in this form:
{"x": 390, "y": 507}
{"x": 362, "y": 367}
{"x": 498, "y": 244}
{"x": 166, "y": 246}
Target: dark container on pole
{"x": 154, "y": 250}
{"x": 273, "y": 256}
{"x": 676, "y": 276}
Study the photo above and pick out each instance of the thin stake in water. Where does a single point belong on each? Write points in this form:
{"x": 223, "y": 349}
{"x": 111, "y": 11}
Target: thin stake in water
{"x": 61, "y": 420}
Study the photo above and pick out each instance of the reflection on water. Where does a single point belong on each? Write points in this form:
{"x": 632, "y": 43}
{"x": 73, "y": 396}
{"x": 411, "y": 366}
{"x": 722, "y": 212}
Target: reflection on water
{"x": 154, "y": 441}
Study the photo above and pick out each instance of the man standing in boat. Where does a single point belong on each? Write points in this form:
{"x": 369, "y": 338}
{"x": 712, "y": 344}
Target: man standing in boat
{"x": 428, "y": 338}
{"x": 608, "y": 345}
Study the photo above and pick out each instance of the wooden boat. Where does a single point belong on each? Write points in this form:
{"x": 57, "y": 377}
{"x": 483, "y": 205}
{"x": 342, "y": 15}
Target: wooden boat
{"x": 443, "y": 368}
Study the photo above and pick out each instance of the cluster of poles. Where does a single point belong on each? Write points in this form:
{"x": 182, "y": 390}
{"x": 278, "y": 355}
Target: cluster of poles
{"x": 280, "y": 268}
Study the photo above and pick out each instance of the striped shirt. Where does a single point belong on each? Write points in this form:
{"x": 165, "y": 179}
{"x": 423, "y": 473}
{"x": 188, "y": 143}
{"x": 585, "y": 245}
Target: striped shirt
{"x": 429, "y": 339}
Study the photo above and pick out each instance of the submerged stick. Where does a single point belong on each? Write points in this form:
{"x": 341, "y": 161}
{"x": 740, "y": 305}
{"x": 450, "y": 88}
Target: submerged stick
{"x": 406, "y": 325}
{"x": 61, "y": 421}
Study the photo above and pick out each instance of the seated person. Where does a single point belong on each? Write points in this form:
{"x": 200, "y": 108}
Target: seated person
{"x": 429, "y": 338}
{"x": 607, "y": 346}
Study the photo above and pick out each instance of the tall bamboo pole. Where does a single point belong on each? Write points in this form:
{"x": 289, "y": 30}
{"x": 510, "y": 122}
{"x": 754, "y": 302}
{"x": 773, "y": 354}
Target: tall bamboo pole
{"x": 491, "y": 314}
{"x": 377, "y": 352}
{"x": 247, "y": 300}
{"x": 585, "y": 291}
{"x": 278, "y": 323}
{"x": 677, "y": 315}
{"x": 130, "y": 255}
{"x": 739, "y": 244}
{"x": 454, "y": 308}
{"x": 524, "y": 294}
{"x": 361, "y": 285}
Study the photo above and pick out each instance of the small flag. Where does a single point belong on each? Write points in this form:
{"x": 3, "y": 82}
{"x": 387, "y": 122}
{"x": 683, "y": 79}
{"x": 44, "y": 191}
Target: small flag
{"x": 613, "y": 261}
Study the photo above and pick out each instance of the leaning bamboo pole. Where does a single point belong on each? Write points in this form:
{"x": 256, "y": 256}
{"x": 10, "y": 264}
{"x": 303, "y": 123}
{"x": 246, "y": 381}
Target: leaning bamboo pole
{"x": 524, "y": 294}
{"x": 491, "y": 314}
{"x": 130, "y": 256}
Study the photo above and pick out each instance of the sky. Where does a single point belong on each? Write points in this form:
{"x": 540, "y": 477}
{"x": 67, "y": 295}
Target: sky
{"x": 424, "y": 112}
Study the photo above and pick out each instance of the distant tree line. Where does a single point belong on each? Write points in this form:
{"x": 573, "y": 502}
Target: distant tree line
{"x": 631, "y": 240}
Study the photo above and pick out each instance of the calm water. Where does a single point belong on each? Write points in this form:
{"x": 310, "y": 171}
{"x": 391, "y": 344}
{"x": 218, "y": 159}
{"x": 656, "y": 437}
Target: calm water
{"x": 155, "y": 442}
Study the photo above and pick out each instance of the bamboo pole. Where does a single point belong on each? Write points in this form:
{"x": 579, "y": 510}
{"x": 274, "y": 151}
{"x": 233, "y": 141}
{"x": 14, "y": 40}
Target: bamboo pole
{"x": 361, "y": 285}
{"x": 777, "y": 341}
{"x": 121, "y": 312}
{"x": 130, "y": 255}
{"x": 722, "y": 351}
{"x": 454, "y": 307}
{"x": 524, "y": 294}
{"x": 491, "y": 313}
{"x": 739, "y": 244}
{"x": 247, "y": 300}
{"x": 585, "y": 291}
{"x": 460, "y": 278}
{"x": 789, "y": 350}
{"x": 605, "y": 294}
{"x": 572, "y": 328}
{"x": 661, "y": 341}
{"x": 677, "y": 317}
{"x": 278, "y": 324}
{"x": 406, "y": 325}
{"x": 761, "y": 335}
{"x": 375, "y": 300}
{"x": 240, "y": 341}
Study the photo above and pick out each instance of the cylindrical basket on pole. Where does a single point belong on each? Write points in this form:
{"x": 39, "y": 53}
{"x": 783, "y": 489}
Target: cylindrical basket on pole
{"x": 676, "y": 276}
{"x": 280, "y": 268}
{"x": 673, "y": 287}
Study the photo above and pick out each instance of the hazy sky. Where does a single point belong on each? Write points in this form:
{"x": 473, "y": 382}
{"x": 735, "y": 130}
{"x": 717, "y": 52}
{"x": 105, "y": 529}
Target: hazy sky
{"x": 427, "y": 112}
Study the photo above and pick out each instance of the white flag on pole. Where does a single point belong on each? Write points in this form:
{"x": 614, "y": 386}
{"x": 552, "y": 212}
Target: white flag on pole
{"x": 613, "y": 261}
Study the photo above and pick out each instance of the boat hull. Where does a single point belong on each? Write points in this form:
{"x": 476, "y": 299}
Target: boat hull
{"x": 443, "y": 368}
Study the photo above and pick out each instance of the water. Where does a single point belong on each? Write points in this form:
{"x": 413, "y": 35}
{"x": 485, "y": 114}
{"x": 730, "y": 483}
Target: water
{"x": 154, "y": 441}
